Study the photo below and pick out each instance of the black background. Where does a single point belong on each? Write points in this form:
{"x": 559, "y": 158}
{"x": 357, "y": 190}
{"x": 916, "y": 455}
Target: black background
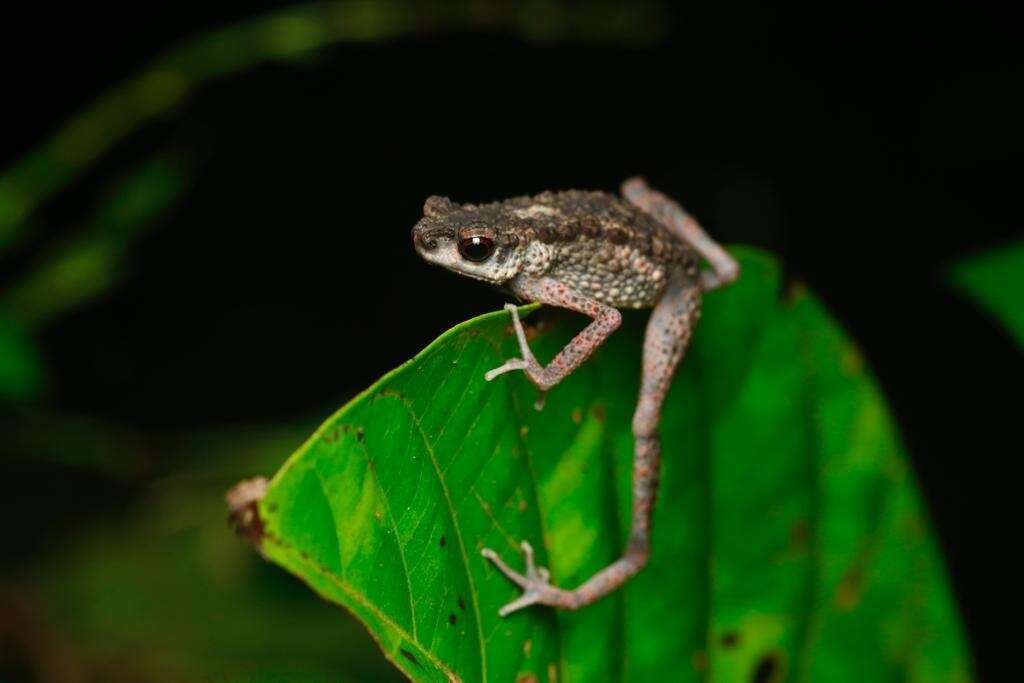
{"x": 868, "y": 145}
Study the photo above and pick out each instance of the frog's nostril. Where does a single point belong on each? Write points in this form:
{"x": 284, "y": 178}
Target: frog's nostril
{"x": 425, "y": 243}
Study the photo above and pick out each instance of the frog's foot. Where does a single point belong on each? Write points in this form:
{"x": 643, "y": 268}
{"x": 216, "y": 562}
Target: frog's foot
{"x": 528, "y": 363}
{"x": 536, "y": 583}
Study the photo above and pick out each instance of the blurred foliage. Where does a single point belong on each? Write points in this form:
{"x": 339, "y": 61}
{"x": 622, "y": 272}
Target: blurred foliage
{"x": 90, "y": 263}
{"x": 790, "y": 539}
{"x": 167, "y": 594}
{"x": 993, "y": 280}
{"x": 287, "y": 35}
{"x": 21, "y": 369}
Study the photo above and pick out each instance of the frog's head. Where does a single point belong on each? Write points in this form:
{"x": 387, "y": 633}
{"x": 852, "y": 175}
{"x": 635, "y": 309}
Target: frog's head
{"x": 480, "y": 242}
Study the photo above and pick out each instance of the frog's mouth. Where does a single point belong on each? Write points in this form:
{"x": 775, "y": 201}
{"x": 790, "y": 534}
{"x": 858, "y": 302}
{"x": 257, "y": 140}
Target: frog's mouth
{"x": 453, "y": 262}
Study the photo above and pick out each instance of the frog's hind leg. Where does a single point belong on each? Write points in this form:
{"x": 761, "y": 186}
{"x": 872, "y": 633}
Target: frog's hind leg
{"x": 668, "y": 333}
{"x": 669, "y": 213}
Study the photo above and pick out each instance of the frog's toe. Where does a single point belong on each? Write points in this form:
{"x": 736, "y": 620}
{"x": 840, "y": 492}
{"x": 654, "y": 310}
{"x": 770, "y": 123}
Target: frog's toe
{"x": 536, "y": 583}
{"x": 508, "y": 366}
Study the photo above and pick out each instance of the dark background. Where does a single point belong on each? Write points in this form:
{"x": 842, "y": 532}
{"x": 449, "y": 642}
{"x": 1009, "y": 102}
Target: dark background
{"x": 868, "y": 146}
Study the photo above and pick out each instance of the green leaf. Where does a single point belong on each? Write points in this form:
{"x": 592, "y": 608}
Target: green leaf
{"x": 790, "y": 539}
{"x": 21, "y": 368}
{"x": 995, "y": 281}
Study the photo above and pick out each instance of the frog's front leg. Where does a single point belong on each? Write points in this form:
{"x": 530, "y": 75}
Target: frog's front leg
{"x": 550, "y": 291}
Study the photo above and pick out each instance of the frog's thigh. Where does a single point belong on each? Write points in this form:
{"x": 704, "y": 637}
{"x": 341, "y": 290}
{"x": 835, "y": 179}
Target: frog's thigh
{"x": 668, "y": 333}
{"x": 681, "y": 224}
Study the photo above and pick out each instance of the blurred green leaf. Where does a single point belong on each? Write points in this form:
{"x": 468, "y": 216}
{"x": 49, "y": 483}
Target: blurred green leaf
{"x": 790, "y": 539}
{"x": 995, "y": 281}
{"x": 85, "y": 268}
{"x": 290, "y": 34}
{"x": 21, "y": 368}
{"x": 168, "y": 594}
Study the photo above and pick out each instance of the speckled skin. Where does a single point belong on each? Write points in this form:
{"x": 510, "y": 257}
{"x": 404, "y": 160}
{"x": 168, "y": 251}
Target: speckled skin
{"x": 593, "y": 242}
{"x": 592, "y": 253}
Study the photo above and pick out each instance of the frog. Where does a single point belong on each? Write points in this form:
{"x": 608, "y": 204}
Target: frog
{"x": 597, "y": 254}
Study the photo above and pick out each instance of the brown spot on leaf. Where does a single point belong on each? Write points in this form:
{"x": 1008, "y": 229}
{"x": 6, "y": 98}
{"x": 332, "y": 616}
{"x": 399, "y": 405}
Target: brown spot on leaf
{"x": 730, "y": 639}
{"x": 526, "y": 678}
{"x": 462, "y": 604}
{"x": 552, "y": 673}
{"x": 699, "y": 660}
{"x": 331, "y": 435}
{"x": 452, "y": 619}
{"x": 577, "y": 416}
{"x": 768, "y": 669}
{"x": 527, "y": 647}
{"x": 800, "y": 534}
{"x": 443, "y": 541}
{"x": 852, "y": 362}
{"x": 848, "y": 594}
{"x": 792, "y": 290}
{"x": 598, "y": 412}
{"x": 360, "y": 435}
{"x": 524, "y": 430}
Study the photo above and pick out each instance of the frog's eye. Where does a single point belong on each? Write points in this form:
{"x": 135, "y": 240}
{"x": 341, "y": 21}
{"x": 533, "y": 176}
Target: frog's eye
{"x": 476, "y": 248}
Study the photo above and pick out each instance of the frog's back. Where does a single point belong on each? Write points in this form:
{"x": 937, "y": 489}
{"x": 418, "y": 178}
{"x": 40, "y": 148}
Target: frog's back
{"x": 603, "y": 246}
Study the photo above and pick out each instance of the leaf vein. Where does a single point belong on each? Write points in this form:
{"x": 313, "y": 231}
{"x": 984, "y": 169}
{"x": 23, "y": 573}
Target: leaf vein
{"x": 363, "y": 602}
{"x": 458, "y": 531}
{"x": 398, "y": 542}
